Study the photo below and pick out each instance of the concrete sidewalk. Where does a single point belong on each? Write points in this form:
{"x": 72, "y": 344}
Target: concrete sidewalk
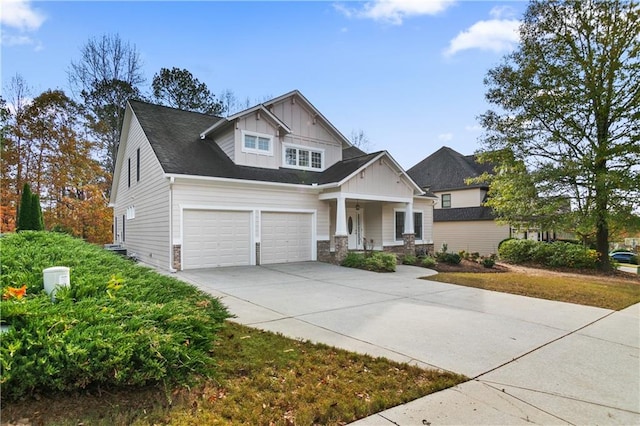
{"x": 531, "y": 360}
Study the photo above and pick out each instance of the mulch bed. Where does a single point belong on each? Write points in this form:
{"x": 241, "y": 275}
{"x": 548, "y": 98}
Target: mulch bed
{"x": 469, "y": 266}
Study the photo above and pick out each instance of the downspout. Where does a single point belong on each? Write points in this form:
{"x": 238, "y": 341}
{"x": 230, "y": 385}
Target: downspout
{"x": 171, "y": 181}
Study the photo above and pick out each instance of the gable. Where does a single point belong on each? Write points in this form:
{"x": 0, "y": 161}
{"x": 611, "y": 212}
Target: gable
{"x": 380, "y": 177}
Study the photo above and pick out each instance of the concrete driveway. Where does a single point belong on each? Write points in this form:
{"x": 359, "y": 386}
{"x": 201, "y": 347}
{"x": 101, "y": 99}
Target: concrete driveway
{"x": 531, "y": 360}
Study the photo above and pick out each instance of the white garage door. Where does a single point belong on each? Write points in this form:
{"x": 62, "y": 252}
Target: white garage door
{"x": 286, "y": 237}
{"x": 216, "y": 238}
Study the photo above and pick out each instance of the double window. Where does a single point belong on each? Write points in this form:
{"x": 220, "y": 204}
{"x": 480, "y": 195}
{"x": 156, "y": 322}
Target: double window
{"x": 257, "y": 143}
{"x": 303, "y": 158}
{"x": 417, "y": 224}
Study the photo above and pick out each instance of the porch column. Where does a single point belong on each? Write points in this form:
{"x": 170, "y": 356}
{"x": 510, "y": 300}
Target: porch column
{"x": 341, "y": 216}
{"x": 408, "y": 219}
{"x": 409, "y": 234}
{"x": 341, "y": 239}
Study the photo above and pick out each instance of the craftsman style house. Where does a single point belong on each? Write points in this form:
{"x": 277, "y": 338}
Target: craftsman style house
{"x": 460, "y": 218}
{"x": 271, "y": 184}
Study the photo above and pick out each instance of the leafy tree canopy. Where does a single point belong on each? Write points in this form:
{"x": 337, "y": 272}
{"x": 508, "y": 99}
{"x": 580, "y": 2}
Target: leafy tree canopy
{"x": 178, "y": 88}
{"x": 568, "y": 111}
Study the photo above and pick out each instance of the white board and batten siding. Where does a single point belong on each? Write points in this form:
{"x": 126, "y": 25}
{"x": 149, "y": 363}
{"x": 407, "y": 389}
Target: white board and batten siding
{"x": 471, "y": 236}
{"x": 378, "y": 179}
{"x": 147, "y": 234}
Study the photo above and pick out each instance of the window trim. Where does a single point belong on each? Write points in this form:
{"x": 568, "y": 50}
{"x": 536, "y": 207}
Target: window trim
{"x": 308, "y": 149}
{"x": 442, "y": 201}
{"x": 404, "y": 212}
{"x": 129, "y": 172}
{"x": 131, "y": 212}
{"x": 256, "y": 150}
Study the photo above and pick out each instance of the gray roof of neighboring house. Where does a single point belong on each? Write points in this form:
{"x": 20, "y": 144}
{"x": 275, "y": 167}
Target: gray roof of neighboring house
{"x": 447, "y": 169}
{"x": 463, "y": 214}
{"x": 174, "y": 136}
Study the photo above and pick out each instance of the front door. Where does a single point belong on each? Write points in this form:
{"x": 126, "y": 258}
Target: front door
{"x": 355, "y": 228}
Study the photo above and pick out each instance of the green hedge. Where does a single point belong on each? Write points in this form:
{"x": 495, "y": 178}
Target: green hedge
{"x": 119, "y": 324}
{"x": 557, "y": 254}
{"x": 373, "y": 261}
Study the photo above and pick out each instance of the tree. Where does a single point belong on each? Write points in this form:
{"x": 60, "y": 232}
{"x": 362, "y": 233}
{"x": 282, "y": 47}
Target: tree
{"x": 360, "y": 140}
{"x": 178, "y": 88}
{"x": 24, "y": 209}
{"x": 30, "y": 216}
{"x": 569, "y": 99}
{"x": 108, "y": 73}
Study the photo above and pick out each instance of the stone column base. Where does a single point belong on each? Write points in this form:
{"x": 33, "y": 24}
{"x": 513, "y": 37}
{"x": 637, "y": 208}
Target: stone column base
{"x": 177, "y": 257}
{"x": 409, "y": 241}
{"x": 341, "y": 243}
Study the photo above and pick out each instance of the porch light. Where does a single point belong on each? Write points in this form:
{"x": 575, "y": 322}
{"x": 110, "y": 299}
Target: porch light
{"x": 357, "y": 206}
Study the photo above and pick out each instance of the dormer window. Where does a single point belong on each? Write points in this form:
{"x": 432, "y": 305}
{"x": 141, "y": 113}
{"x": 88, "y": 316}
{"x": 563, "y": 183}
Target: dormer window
{"x": 257, "y": 143}
{"x": 303, "y": 158}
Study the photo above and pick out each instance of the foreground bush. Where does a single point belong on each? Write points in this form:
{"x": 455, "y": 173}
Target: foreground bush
{"x": 557, "y": 254}
{"x": 119, "y": 324}
{"x": 376, "y": 261}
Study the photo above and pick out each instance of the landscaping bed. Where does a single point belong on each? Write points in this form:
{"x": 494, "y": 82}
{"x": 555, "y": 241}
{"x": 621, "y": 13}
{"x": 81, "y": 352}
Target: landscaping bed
{"x": 125, "y": 345}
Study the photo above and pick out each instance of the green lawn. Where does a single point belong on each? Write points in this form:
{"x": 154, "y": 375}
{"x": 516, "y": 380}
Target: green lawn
{"x": 125, "y": 345}
{"x": 603, "y": 292}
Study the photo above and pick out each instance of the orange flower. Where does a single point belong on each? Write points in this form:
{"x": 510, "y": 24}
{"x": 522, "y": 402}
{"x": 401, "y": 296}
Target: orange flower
{"x": 18, "y": 293}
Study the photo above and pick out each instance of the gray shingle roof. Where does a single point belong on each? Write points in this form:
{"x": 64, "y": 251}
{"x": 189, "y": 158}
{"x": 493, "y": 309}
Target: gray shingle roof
{"x": 174, "y": 136}
{"x": 463, "y": 214}
{"x": 447, "y": 169}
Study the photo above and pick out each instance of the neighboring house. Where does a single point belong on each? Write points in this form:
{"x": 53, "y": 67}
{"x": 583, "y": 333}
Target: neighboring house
{"x": 459, "y": 219}
{"x": 274, "y": 183}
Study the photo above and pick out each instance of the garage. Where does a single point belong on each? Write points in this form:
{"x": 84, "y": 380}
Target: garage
{"x": 286, "y": 237}
{"x": 216, "y": 238}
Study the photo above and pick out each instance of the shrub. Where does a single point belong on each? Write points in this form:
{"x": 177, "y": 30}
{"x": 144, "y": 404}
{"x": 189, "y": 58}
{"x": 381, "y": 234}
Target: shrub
{"x": 450, "y": 258}
{"x": 428, "y": 262}
{"x": 409, "y": 260}
{"x": 516, "y": 251}
{"x": 353, "y": 260}
{"x": 118, "y": 324}
{"x": 557, "y": 254}
{"x": 488, "y": 262}
{"x": 376, "y": 261}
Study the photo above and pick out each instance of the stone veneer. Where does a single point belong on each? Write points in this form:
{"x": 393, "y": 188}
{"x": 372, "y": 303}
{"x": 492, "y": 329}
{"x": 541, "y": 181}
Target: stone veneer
{"x": 342, "y": 248}
{"x": 177, "y": 257}
{"x": 409, "y": 242}
{"x": 324, "y": 251}
{"x": 257, "y": 253}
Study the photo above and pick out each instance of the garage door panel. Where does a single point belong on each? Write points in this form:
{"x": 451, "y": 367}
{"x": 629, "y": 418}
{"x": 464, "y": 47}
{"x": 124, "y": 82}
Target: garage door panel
{"x": 216, "y": 238}
{"x": 286, "y": 237}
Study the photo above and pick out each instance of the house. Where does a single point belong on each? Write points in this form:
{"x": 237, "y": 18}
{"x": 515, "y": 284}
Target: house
{"x": 271, "y": 184}
{"x": 459, "y": 218}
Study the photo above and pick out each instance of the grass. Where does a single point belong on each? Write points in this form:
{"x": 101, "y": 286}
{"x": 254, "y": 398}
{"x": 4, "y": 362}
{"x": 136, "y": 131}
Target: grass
{"x": 590, "y": 290}
{"x": 262, "y": 378}
{"x": 84, "y": 359}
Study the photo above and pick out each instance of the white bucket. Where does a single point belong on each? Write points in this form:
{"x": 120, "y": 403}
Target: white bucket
{"x": 54, "y": 278}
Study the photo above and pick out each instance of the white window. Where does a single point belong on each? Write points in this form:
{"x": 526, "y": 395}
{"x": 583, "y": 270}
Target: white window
{"x": 303, "y": 158}
{"x": 131, "y": 212}
{"x": 446, "y": 201}
{"x": 257, "y": 143}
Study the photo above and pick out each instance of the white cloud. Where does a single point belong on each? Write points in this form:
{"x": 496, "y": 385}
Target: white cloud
{"x": 474, "y": 128}
{"x": 496, "y": 35}
{"x": 445, "y": 137}
{"x": 20, "y": 15}
{"x": 395, "y": 11}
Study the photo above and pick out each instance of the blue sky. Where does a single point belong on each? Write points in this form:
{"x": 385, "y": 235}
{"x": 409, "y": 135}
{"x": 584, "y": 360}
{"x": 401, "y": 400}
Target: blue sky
{"x": 408, "y": 73}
